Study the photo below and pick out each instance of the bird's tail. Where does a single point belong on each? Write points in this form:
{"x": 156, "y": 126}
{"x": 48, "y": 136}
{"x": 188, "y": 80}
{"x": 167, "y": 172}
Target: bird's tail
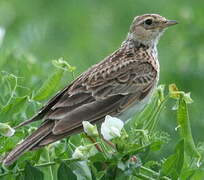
{"x": 29, "y": 142}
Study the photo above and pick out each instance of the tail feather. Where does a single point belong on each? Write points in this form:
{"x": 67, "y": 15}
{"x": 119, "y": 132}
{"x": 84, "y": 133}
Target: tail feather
{"x": 35, "y": 118}
{"x": 29, "y": 142}
{"x": 51, "y": 138}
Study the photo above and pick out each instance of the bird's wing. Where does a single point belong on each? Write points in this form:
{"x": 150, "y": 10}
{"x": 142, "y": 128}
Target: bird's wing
{"x": 103, "y": 90}
{"x": 122, "y": 77}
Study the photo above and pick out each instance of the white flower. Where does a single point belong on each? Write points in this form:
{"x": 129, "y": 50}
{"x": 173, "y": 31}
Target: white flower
{"x": 6, "y": 130}
{"x": 78, "y": 154}
{"x": 84, "y": 152}
{"x": 89, "y": 129}
{"x": 111, "y": 127}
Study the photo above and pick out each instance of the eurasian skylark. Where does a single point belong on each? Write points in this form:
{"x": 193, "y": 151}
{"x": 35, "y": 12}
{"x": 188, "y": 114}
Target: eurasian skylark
{"x": 119, "y": 86}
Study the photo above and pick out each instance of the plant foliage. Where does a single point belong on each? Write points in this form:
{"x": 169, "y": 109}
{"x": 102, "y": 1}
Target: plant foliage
{"x": 133, "y": 155}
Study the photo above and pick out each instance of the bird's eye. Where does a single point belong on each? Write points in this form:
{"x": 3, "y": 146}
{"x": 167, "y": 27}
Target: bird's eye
{"x": 148, "y": 22}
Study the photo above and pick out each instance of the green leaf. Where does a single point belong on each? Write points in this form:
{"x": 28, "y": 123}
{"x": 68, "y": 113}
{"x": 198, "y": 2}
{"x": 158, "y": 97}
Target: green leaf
{"x": 155, "y": 146}
{"x": 36, "y": 155}
{"x": 13, "y": 107}
{"x": 49, "y": 86}
{"x": 185, "y": 129}
{"x": 99, "y": 157}
{"x": 198, "y": 174}
{"x": 65, "y": 173}
{"x": 82, "y": 170}
{"x": 173, "y": 165}
{"x": 32, "y": 173}
{"x": 187, "y": 174}
{"x": 19, "y": 177}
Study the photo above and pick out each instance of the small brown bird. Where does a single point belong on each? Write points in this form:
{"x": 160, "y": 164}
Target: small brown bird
{"x": 119, "y": 86}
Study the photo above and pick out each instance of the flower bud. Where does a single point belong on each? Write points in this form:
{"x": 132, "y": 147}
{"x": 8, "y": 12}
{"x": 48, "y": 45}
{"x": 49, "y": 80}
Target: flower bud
{"x": 84, "y": 152}
{"x": 6, "y": 130}
{"x": 89, "y": 129}
{"x": 78, "y": 154}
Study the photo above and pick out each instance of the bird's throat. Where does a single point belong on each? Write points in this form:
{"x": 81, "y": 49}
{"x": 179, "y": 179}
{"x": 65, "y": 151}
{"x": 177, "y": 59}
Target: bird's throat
{"x": 146, "y": 44}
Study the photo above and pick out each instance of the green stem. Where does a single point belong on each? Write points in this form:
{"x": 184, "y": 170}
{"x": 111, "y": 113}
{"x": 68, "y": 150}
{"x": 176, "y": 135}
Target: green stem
{"x": 149, "y": 171}
{"x": 22, "y": 170}
{"x": 13, "y": 91}
{"x": 105, "y": 151}
{"x": 50, "y": 167}
{"x": 109, "y": 143}
{"x": 165, "y": 178}
{"x": 95, "y": 143}
{"x": 46, "y": 164}
{"x": 143, "y": 177}
{"x": 152, "y": 121}
{"x": 155, "y": 174}
{"x": 37, "y": 166}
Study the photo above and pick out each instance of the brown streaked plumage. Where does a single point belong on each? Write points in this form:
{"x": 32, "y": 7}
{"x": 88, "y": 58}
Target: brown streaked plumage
{"x": 119, "y": 85}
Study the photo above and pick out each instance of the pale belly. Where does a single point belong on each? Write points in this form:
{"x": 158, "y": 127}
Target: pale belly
{"x": 137, "y": 106}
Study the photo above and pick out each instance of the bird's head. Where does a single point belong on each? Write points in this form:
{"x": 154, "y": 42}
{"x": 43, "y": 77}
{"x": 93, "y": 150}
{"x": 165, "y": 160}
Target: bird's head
{"x": 149, "y": 27}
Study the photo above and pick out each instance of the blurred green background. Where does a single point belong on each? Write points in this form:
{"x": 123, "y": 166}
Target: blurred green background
{"x": 85, "y": 31}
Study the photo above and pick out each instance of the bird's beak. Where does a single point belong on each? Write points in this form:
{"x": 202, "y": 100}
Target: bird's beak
{"x": 170, "y": 23}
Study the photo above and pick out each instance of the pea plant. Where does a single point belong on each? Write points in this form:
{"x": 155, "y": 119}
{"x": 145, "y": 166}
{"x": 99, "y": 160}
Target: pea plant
{"x": 114, "y": 150}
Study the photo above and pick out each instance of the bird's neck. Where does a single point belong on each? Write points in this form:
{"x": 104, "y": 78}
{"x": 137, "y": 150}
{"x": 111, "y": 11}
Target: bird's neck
{"x": 149, "y": 47}
{"x": 147, "y": 44}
